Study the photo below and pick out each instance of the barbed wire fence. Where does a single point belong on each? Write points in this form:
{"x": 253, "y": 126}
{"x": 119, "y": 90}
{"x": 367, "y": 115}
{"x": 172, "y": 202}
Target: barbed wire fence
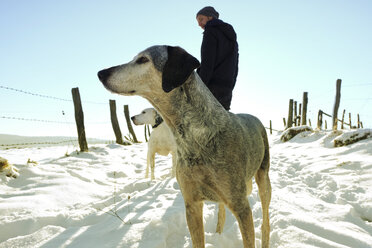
{"x": 69, "y": 123}
{"x": 328, "y": 97}
{"x": 71, "y": 139}
{"x": 46, "y": 96}
{"x": 26, "y": 119}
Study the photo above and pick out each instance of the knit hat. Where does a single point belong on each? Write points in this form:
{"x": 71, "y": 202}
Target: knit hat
{"x": 208, "y": 11}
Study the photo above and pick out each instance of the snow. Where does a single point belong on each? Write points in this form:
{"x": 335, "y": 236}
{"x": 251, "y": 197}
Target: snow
{"x": 351, "y": 137}
{"x": 321, "y": 197}
{"x": 293, "y": 131}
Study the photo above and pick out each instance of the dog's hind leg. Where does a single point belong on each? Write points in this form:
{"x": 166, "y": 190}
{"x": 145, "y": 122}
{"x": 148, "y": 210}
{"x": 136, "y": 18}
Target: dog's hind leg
{"x": 221, "y": 218}
{"x": 243, "y": 214}
{"x": 194, "y": 217}
{"x": 264, "y": 190}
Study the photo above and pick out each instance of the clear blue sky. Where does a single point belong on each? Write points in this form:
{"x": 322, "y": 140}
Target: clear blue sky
{"x": 286, "y": 47}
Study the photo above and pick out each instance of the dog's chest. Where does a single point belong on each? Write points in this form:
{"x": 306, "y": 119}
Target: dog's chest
{"x": 195, "y": 156}
{"x": 197, "y": 147}
{"x": 198, "y": 182}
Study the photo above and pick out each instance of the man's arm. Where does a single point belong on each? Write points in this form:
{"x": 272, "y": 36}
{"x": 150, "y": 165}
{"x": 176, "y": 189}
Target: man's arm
{"x": 208, "y": 56}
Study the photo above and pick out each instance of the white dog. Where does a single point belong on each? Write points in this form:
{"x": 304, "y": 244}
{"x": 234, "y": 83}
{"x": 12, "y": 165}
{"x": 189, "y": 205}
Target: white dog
{"x": 161, "y": 139}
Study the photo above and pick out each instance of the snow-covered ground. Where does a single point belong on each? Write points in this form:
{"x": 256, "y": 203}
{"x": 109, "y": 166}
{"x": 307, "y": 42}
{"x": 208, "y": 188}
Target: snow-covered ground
{"x": 321, "y": 198}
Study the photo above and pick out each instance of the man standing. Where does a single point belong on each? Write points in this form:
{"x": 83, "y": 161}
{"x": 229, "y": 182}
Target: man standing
{"x": 219, "y": 55}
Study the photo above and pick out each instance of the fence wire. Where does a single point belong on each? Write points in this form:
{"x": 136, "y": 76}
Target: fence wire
{"x": 357, "y": 85}
{"x": 26, "y": 119}
{"x": 73, "y": 141}
{"x": 38, "y": 143}
{"x": 35, "y": 94}
{"x": 46, "y": 96}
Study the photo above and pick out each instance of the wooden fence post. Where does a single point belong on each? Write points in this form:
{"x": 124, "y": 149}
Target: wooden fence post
{"x": 343, "y": 119}
{"x": 337, "y": 104}
{"x": 271, "y": 128}
{"x": 299, "y": 114}
{"x": 284, "y": 122}
{"x": 295, "y": 113}
{"x": 115, "y": 123}
{"x": 130, "y": 128}
{"x": 358, "y": 120}
{"x": 304, "y": 108}
{"x": 320, "y": 119}
{"x": 79, "y": 118}
{"x": 147, "y": 132}
{"x": 350, "y": 121}
{"x": 290, "y": 114}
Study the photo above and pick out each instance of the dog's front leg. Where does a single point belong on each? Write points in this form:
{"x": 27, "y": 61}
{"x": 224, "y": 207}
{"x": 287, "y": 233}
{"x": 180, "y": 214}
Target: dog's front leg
{"x": 174, "y": 165}
{"x": 194, "y": 217}
{"x": 150, "y": 163}
{"x": 243, "y": 214}
{"x": 221, "y": 218}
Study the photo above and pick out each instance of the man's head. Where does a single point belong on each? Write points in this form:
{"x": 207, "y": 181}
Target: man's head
{"x": 205, "y": 15}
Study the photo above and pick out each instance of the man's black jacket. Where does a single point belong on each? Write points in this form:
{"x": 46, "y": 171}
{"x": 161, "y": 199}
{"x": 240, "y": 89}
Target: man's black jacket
{"x": 219, "y": 60}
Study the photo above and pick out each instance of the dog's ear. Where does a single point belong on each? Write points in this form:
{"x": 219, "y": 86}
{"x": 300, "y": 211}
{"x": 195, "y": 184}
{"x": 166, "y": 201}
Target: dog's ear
{"x": 178, "y": 68}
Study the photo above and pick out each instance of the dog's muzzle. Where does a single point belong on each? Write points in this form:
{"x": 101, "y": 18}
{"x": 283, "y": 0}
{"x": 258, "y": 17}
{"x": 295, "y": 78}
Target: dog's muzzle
{"x": 133, "y": 118}
{"x": 103, "y": 75}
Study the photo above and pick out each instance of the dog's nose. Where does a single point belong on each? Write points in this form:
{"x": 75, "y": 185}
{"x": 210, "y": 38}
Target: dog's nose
{"x": 132, "y": 118}
{"x": 103, "y": 75}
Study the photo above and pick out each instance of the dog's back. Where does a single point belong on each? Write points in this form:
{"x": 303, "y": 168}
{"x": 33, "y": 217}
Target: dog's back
{"x": 256, "y": 131}
{"x": 253, "y": 126}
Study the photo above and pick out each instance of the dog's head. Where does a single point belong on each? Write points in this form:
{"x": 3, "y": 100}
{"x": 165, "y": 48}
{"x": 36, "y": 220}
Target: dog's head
{"x": 147, "y": 116}
{"x": 157, "y": 68}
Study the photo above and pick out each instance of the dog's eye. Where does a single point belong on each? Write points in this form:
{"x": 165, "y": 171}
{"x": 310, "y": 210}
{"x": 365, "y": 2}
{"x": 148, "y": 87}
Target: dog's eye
{"x": 142, "y": 60}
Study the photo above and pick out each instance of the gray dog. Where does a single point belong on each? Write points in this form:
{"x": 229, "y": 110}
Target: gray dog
{"x": 218, "y": 152}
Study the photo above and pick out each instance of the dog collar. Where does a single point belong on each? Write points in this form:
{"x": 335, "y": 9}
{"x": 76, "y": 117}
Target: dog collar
{"x": 158, "y": 121}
